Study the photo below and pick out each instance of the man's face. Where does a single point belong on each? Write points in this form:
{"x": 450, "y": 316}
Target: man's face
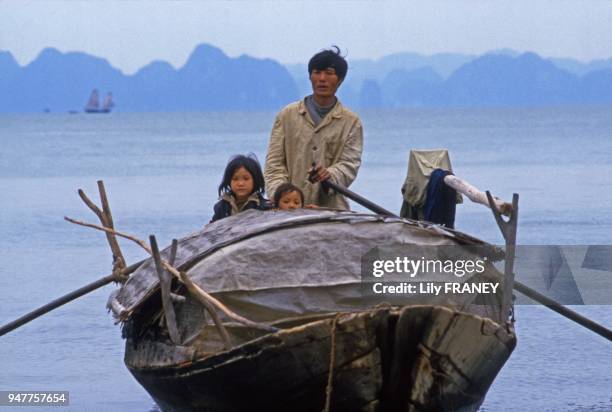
{"x": 324, "y": 82}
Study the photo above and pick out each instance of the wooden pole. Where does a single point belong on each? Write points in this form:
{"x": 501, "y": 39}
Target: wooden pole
{"x": 475, "y": 195}
{"x": 106, "y": 219}
{"x": 165, "y": 282}
{"x": 118, "y": 259}
{"x": 357, "y": 198}
{"x": 65, "y": 299}
{"x": 508, "y": 230}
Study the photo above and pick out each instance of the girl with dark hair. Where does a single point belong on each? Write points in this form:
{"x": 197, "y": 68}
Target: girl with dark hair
{"x": 242, "y": 187}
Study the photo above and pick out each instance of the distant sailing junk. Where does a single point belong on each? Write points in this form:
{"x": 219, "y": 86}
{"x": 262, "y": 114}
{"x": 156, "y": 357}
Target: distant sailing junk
{"x": 93, "y": 105}
{"x": 108, "y": 102}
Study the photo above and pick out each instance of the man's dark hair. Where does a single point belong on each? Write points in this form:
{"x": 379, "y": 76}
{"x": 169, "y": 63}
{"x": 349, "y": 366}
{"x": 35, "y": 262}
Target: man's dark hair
{"x": 329, "y": 58}
{"x": 250, "y": 163}
{"x": 287, "y": 188}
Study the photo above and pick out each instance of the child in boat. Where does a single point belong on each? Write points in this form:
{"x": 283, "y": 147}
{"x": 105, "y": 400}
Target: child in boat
{"x": 242, "y": 187}
{"x": 288, "y": 196}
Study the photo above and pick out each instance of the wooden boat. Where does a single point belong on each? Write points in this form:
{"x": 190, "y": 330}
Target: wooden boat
{"x": 335, "y": 346}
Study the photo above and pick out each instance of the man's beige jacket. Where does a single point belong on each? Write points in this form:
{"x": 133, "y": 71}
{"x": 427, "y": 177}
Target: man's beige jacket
{"x": 295, "y": 143}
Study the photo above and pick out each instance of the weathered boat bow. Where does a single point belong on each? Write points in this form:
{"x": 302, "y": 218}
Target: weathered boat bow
{"x": 419, "y": 358}
{"x": 301, "y": 272}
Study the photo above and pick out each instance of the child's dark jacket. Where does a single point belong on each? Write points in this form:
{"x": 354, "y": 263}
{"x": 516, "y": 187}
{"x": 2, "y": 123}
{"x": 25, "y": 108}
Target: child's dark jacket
{"x": 227, "y": 206}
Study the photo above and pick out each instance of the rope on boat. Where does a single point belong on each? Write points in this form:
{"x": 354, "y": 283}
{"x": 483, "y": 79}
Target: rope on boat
{"x": 332, "y": 361}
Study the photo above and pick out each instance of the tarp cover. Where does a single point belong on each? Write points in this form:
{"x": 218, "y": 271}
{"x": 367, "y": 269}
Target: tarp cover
{"x": 274, "y": 264}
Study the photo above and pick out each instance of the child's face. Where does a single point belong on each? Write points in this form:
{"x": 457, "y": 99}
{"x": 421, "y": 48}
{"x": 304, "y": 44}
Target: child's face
{"x": 290, "y": 200}
{"x": 242, "y": 184}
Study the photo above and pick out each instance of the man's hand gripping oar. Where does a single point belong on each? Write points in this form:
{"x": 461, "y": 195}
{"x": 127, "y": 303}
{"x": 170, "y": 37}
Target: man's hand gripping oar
{"x": 320, "y": 174}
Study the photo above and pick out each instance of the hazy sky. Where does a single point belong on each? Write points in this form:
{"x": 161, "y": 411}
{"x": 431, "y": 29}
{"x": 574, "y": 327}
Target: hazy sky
{"x": 131, "y": 34}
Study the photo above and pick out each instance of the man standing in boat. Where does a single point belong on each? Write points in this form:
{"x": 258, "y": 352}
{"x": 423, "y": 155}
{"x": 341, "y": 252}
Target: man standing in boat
{"x": 317, "y": 130}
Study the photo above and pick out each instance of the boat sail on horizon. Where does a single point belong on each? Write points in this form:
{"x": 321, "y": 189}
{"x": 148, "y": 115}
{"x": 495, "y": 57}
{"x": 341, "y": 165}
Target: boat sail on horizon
{"x": 93, "y": 104}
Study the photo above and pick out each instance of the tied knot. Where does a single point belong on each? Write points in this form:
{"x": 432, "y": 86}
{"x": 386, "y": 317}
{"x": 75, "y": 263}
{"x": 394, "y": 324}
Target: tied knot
{"x": 118, "y": 270}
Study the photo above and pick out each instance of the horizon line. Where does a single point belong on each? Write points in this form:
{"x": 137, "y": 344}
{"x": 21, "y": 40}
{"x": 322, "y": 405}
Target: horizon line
{"x": 498, "y": 51}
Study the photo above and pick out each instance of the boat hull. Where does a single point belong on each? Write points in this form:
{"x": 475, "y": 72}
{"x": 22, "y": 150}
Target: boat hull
{"x": 97, "y": 110}
{"x": 417, "y": 358}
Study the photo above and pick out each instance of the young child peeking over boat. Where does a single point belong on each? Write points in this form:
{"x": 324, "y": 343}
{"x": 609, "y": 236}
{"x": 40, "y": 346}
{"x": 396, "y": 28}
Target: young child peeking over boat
{"x": 242, "y": 188}
{"x": 288, "y": 196}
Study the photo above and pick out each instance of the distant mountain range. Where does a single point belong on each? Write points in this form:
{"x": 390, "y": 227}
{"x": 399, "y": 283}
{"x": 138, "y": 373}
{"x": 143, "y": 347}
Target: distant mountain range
{"x": 212, "y": 81}
{"x": 209, "y": 81}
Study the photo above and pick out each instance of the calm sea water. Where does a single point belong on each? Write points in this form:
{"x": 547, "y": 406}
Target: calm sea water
{"x": 161, "y": 173}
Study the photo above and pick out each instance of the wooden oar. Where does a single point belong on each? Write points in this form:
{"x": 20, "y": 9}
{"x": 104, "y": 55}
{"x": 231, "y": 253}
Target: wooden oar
{"x": 120, "y": 271}
{"x": 527, "y": 291}
{"x": 357, "y": 198}
{"x": 557, "y": 307}
{"x": 65, "y": 299}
